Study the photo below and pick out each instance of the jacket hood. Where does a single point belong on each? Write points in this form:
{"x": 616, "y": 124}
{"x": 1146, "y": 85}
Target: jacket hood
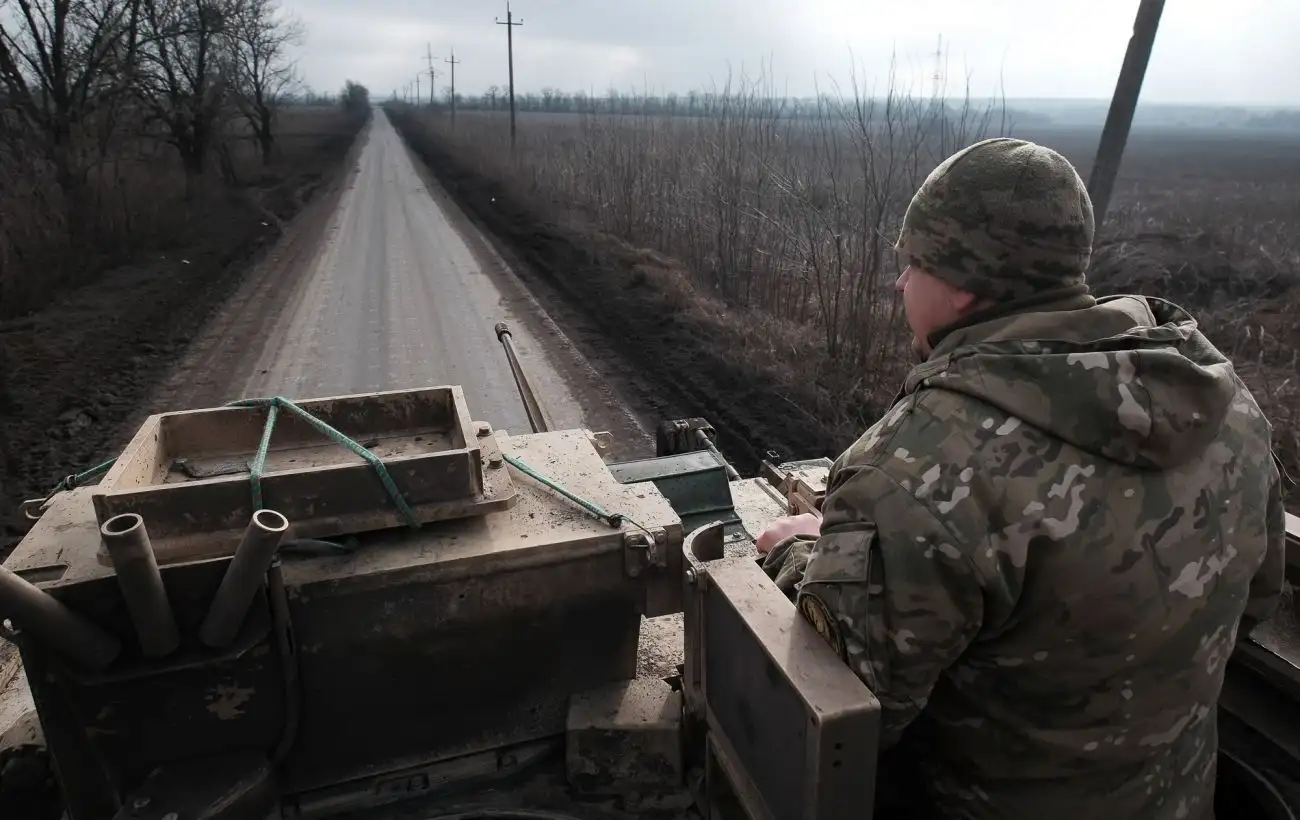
{"x": 1128, "y": 378}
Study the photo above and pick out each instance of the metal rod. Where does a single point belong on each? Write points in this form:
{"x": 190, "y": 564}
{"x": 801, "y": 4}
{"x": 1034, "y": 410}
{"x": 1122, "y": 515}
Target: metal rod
{"x": 36, "y": 611}
{"x": 133, "y": 558}
{"x": 536, "y": 418}
{"x": 703, "y": 438}
{"x": 1114, "y": 135}
{"x": 243, "y": 577}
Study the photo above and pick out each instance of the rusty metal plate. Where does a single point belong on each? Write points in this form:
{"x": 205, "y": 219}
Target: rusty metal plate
{"x": 187, "y": 473}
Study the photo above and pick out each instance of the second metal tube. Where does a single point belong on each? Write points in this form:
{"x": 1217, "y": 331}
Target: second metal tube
{"x": 243, "y": 577}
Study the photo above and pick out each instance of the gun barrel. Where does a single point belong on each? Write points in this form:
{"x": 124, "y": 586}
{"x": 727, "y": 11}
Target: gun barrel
{"x": 707, "y": 443}
{"x": 533, "y": 408}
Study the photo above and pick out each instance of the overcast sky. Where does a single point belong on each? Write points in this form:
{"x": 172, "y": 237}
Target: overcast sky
{"x": 1237, "y": 52}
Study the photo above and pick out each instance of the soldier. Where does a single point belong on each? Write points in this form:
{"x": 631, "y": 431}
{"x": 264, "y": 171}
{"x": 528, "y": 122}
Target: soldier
{"x": 1040, "y": 558}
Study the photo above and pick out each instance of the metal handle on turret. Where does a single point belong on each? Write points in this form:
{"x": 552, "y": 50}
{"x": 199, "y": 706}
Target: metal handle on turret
{"x": 536, "y": 419}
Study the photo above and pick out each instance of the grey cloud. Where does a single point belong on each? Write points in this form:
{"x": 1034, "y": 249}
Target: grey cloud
{"x": 1028, "y": 47}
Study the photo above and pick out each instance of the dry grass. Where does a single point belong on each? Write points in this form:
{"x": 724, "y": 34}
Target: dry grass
{"x": 772, "y": 234}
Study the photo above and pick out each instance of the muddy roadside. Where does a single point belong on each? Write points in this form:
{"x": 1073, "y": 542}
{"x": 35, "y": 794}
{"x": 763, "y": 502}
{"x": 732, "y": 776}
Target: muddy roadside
{"x": 618, "y": 305}
{"x": 80, "y": 374}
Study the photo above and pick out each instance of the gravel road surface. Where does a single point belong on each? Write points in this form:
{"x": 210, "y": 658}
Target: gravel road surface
{"x": 386, "y": 285}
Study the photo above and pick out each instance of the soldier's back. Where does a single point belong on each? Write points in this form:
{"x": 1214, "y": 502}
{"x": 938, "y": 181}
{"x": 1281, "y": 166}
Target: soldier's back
{"x": 1111, "y": 483}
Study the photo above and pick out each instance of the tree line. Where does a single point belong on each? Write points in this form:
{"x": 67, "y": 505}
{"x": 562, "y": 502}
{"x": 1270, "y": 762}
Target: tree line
{"x": 104, "y": 103}
{"x": 74, "y": 72}
{"x": 694, "y": 103}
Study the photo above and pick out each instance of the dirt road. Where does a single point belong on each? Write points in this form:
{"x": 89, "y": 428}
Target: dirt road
{"x": 386, "y": 285}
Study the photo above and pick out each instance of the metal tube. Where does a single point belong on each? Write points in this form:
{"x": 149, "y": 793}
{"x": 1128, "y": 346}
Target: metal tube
{"x": 36, "y": 611}
{"x": 703, "y": 438}
{"x": 243, "y": 577}
{"x": 536, "y": 419}
{"x": 132, "y": 555}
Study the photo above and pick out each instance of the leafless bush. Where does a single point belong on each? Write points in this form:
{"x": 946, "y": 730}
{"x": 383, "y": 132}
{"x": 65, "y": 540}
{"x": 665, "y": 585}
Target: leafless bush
{"x": 791, "y": 214}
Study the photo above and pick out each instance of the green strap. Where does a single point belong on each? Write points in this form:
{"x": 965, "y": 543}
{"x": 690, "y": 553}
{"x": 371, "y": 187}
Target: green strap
{"x": 613, "y": 519}
{"x": 274, "y": 404}
{"x": 259, "y": 460}
{"x": 72, "y": 482}
{"x": 258, "y": 467}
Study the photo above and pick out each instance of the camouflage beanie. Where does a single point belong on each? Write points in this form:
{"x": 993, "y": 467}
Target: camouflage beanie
{"x": 1003, "y": 219}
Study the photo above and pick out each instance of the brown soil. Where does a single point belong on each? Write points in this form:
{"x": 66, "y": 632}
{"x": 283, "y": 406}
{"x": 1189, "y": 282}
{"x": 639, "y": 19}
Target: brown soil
{"x": 623, "y": 307}
{"x": 77, "y": 373}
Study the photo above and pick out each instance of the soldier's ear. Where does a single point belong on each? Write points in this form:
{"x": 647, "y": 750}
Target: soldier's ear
{"x": 962, "y": 301}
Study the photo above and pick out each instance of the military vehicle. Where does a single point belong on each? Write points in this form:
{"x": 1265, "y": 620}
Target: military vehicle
{"x": 377, "y": 606}
{"x": 320, "y": 608}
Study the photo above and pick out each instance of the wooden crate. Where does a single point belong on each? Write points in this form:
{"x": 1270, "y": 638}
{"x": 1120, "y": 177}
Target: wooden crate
{"x": 187, "y": 473}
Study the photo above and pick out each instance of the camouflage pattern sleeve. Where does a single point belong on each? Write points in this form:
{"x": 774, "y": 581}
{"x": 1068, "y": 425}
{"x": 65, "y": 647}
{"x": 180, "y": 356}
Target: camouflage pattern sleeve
{"x": 890, "y": 591}
{"x": 786, "y": 562}
{"x": 1266, "y": 586}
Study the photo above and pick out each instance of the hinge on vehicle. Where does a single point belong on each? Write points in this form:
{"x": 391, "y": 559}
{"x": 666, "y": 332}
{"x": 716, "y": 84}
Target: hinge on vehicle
{"x": 642, "y": 550}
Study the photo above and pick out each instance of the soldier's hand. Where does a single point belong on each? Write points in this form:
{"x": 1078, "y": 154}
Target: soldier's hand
{"x": 809, "y": 524}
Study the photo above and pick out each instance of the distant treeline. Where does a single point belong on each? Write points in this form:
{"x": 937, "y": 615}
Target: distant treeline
{"x": 1072, "y": 113}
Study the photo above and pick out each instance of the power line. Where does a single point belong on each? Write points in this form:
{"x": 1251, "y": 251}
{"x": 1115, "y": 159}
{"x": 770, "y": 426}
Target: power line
{"x": 452, "y": 62}
{"x": 510, "y": 51}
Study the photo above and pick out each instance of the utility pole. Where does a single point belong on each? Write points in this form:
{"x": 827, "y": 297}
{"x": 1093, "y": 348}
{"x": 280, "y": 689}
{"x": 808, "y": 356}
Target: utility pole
{"x": 510, "y": 51}
{"x": 1114, "y": 136}
{"x": 453, "y": 62}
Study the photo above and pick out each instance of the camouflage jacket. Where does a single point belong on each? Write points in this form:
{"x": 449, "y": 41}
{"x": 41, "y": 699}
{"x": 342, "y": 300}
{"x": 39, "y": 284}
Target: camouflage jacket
{"x": 1039, "y": 558}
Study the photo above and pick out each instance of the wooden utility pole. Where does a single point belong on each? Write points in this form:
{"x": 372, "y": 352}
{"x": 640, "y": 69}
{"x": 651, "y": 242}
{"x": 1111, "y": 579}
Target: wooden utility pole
{"x": 1101, "y": 182}
{"x": 417, "y": 89}
{"x": 452, "y": 62}
{"x": 510, "y": 51}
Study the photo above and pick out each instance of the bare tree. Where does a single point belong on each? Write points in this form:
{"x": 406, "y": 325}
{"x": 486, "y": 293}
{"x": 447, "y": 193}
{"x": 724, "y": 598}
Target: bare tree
{"x": 184, "y": 73}
{"x": 61, "y": 62}
{"x": 260, "y": 39}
